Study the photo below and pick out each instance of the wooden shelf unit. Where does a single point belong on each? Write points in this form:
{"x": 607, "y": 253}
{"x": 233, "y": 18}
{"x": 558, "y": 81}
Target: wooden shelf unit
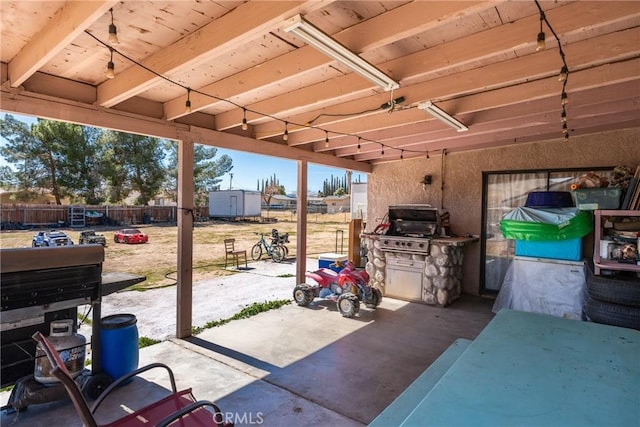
{"x": 603, "y": 264}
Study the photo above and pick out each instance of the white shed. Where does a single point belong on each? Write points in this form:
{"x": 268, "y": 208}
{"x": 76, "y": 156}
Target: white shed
{"x": 359, "y": 200}
{"x": 234, "y": 204}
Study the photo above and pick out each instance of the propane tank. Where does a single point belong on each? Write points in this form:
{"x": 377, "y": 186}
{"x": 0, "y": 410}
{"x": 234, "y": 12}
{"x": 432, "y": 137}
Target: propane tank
{"x": 69, "y": 345}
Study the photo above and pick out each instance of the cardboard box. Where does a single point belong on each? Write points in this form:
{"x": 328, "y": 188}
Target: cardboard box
{"x": 570, "y": 249}
{"x": 329, "y": 260}
{"x": 590, "y": 199}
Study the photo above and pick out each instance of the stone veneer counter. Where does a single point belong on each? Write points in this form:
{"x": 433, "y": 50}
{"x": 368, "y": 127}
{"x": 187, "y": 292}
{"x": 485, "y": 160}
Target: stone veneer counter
{"x": 442, "y": 273}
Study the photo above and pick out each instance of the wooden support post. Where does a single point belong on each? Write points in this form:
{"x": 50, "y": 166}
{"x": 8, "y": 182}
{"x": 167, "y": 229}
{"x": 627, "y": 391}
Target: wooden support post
{"x": 301, "y": 261}
{"x": 355, "y": 229}
{"x": 184, "y": 287}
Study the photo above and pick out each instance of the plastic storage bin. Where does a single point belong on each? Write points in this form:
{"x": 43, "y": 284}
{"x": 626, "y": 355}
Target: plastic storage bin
{"x": 570, "y": 249}
{"x": 549, "y": 199}
{"x": 329, "y": 260}
{"x": 591, "y": 199}
{"x": 546, "y": 224}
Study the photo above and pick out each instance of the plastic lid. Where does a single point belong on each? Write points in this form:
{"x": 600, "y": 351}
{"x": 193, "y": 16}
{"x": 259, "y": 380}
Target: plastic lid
{"x": 116, "y": 321}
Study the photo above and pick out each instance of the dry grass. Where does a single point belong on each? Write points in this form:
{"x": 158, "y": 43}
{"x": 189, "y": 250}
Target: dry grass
{"x": 158, "y": 258}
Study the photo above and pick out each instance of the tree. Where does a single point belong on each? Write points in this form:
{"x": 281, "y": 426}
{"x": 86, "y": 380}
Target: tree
{"x": 74, "y": 168}
{"x": 22, "y": 151}
{"x": 207, "y": 171}
{"x": 270, "y": 191}
{"x": 132, "y": 163}
{"x": 52, "y": 155}
{"x": 8, "y": 179}
{"x": 339, "y": 192}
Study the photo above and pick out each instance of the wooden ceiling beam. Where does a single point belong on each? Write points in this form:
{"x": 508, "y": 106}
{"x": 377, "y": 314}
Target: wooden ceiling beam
{"x": 508, "y": 136}
{"x": 68, "y": 23}
{"x": 599, "y": 100}
{"x": 243, "y": 24}
{"x": 500, "y": 43}
{"x": 242, "y": 143}
{"x": 520, "y": 74}
{"x": 53, "y": 108}
{"x": 23, "y": 102}
{"x": 518, "y": 127}
{"x": 416, "y": 17}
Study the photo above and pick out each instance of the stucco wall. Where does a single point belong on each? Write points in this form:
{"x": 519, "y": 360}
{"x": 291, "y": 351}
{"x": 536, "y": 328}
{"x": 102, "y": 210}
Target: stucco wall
{"x": 461, "y": 192}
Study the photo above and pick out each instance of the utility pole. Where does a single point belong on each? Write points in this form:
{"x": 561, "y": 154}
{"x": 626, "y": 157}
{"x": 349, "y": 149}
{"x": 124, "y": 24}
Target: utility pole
{"x": 230, "y": 180}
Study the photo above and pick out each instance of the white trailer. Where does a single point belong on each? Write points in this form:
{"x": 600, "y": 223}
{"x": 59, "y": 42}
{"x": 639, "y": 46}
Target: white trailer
{"x": 359, "y": 200}
{"x": 235, "y": 204}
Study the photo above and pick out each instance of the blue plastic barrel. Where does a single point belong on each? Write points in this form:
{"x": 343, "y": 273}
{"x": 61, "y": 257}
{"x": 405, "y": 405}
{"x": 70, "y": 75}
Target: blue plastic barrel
{"x": 119, "y": 345}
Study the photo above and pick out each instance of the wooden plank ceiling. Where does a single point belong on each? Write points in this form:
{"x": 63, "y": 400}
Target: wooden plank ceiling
{"x": 477, "y": 60}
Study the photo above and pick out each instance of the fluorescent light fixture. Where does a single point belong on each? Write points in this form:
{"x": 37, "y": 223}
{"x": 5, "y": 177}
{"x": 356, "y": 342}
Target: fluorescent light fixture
{"x": 442, "y": 116}
{"x": 333, "y": 49}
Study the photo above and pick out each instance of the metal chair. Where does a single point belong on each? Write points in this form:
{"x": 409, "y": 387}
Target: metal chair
{"x": 233, "y": 254}
{"x": 179, "y": 406}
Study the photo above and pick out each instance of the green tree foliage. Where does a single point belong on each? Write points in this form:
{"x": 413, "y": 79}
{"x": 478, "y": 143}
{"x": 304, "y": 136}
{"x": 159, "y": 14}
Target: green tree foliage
{"x": 207, "y": 171}
{"x": 57, "y": 156}
{"x": 333, "y": 185}
{"x": 132, "y": 163}
{"x": 271, "y": 186}
{"x": 91, "y": 165}
{"x": 72, "y": 155}
{"x": 339, "y": 192}
{"x": 22, "y": 151}
{"x": 8, "y": 178}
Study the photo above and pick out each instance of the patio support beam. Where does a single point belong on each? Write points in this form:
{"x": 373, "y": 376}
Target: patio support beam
{"x": 222, "y": 36}
{"x": 69, "y": 22}
{"x": 301, "y": 208}
{"x": 185, "y": 214}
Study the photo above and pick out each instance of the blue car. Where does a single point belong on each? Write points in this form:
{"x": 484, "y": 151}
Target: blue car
{"x": 51, "y": 238}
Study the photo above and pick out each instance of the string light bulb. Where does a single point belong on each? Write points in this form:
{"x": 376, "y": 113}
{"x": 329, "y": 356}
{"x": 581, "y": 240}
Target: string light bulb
{"x": 285, "y": 137}
{"x": 358, "y": 149}
{"x": 541, "y": 36}
{"x": 401, "y": 154}
{"x": 113, "y": 31}
{"x": 381, "y": 150}
{"x": 111, "y": 68}
{"x": 326, "y": 139}
{"x": 427, "y": 155}
{"x": 563, "y": 98}
{"x": 563, "y": 74}
{"x": 563, "y": 116}
{"x": 187, "y": 105}
{"x": 245, "y": 126}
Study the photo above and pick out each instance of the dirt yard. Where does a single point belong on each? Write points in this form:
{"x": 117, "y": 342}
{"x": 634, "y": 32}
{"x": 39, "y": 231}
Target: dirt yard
{"x": 157, "y": 259}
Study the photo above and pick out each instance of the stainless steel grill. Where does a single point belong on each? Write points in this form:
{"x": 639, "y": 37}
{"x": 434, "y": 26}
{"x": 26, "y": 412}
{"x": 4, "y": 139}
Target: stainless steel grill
{"x": 410, "y": 228}
{"x": 414, "y": 245}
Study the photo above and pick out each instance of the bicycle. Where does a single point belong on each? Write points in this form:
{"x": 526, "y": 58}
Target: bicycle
{"x": 272, "y": 250}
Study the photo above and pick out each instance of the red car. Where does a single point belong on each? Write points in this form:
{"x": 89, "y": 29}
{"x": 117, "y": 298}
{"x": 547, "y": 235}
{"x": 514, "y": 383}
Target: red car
{"x": 130, "y": 235}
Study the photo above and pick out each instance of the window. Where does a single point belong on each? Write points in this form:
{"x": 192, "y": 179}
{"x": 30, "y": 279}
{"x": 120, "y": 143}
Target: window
{"x": 501, "y": 193}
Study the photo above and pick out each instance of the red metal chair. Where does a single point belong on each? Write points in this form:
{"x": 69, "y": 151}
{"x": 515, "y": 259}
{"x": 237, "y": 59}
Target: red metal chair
{"x": 179, "y": 406}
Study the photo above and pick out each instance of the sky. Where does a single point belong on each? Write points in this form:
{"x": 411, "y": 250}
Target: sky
{"x": 249, "y": 168}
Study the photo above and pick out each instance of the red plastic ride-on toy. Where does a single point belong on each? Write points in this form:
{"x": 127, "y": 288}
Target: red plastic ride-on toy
{"x": 348, "y": 288}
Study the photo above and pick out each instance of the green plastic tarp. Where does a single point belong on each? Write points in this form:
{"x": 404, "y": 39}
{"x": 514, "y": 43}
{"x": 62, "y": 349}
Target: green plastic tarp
{"x": 546, "y": 224}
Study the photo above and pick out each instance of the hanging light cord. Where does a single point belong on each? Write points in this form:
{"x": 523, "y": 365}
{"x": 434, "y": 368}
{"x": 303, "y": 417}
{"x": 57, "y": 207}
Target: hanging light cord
{"x": 391, "y": 104}
{"x": 564, "y": 72}
{"x": 248, "y": 110}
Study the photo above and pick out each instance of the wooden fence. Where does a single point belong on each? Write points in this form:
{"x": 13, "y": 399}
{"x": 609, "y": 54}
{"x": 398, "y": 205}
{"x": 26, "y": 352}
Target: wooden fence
{"x": 30, "y": 215}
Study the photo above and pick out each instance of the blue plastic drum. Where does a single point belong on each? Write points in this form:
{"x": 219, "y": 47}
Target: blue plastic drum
{"x": 119, "y": 345}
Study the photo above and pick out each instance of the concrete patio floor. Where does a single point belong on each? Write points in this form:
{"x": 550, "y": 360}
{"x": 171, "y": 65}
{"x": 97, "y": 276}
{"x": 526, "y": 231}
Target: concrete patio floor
{"x": 295, "y": 366}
